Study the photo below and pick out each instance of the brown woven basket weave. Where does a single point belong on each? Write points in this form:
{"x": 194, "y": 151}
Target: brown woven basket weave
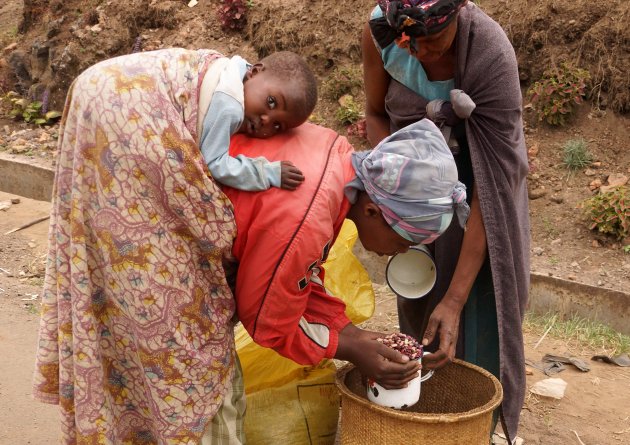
{"x": 455, "y": 408}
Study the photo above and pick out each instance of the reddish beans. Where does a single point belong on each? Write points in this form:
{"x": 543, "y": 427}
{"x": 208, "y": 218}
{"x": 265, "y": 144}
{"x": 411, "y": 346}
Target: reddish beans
{"x": 404, "y": 344}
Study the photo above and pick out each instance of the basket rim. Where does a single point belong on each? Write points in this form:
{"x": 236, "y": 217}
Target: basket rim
{"x": 491, "y": 405}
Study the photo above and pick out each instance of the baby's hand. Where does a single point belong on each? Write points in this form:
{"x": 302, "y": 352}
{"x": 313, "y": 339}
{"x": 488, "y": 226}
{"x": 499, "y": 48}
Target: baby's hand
{"x": 290, "y": 176}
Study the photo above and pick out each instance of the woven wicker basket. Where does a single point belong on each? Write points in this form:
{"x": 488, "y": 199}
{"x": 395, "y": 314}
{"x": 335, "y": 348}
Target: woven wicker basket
{"x": 455, "y": 408}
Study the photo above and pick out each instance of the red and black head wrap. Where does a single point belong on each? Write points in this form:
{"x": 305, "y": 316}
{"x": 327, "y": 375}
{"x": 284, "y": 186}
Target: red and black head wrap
{"x": 414, "y": 18}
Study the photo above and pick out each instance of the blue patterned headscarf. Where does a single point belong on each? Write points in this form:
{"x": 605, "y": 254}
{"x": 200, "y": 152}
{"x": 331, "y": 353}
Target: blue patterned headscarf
{"x": 411, "y": 175}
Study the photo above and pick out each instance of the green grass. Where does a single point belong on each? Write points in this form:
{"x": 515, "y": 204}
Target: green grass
{"x": 345, "y": 80}
{"x": 575, "y": 329}
{"x": 550, "y": 228}
{"x": 33, "y": 309}
{"x": 576, "y": 154}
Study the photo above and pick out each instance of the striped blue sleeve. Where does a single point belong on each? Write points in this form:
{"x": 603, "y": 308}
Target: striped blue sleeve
{"x": 223, "y": 119}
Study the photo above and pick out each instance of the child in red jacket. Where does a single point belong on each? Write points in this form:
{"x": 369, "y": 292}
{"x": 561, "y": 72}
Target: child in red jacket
{"x": 402, "y": 193}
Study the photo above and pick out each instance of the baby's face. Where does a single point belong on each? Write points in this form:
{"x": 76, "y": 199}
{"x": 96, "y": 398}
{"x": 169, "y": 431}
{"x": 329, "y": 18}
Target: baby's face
{"x": 270, "y": 108}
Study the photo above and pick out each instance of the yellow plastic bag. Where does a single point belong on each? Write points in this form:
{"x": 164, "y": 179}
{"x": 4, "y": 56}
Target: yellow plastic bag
{"x": 291, "y": 404}
{"x": 346, "y": 277}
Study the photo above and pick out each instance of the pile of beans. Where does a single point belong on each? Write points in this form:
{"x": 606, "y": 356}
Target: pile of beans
{"x": 404, "y": 344}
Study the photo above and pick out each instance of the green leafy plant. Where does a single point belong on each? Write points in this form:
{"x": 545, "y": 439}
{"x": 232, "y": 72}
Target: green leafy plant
{"x": 609, "y": 212}
{"x": 29, "y": 111}
{"x": 232, "y": 14}
{"x": 348, "y": 111}
{"x": 555, "y": 96}
{"x": 342, "y": 81}
{"x": 576, "y": 154}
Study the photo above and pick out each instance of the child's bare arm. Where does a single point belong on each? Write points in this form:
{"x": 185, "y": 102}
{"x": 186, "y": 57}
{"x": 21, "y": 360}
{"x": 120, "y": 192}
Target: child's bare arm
{"x": 290, "y": 176}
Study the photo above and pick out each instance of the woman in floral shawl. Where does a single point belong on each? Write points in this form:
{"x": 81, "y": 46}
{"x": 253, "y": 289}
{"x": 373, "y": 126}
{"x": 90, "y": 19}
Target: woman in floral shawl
{"x": 136, "y": 340}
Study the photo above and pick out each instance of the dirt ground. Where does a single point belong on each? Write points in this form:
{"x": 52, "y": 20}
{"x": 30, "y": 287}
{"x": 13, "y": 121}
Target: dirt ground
{"x": 595, "y": 404}
{"x": 327, "y": 33}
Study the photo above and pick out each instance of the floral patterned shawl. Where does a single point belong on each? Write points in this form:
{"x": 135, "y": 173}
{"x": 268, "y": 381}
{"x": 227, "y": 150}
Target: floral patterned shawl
{"x": 136, "y": 341}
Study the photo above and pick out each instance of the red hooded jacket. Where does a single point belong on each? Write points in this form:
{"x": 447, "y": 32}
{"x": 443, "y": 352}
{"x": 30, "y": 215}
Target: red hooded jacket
{"x": 282, "y": 239}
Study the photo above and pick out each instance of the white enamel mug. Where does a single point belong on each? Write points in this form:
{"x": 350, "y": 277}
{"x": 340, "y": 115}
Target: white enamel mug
{"x": 397, "y": 398}
{"x": 411, "y": 274}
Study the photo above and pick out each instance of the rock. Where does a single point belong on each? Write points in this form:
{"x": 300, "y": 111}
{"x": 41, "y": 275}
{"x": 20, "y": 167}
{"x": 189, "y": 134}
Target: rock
{"x": 7, "y": 49}
{"x": 557, "y": 199}
{"x": 553, "y": 388}
{"x": 345, "y": 100}
{"x": 594, "y": 185}
{"x": 596, "y": 164}
{"x": 590, "y": 172}
{"x": 538, "y": 251}
{"x": 40, "y": 50}
{"x": 537, "y": 193}
{"x": 18, "y": 149}
{"x": 54, "y": 27}
{"x": 575, "y": 264}
{"x": 20, "y": 141}
{"x": 556, "y": 242}
{"x": 20, "y": 63}
{"x": 571, "y": 277}
{"x": 595, "y": 243}
{"x": 532, "y": 152}
{"x": 616, "y": 180}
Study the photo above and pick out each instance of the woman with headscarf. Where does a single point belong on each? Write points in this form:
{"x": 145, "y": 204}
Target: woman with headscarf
{"x": 448, "y": 61}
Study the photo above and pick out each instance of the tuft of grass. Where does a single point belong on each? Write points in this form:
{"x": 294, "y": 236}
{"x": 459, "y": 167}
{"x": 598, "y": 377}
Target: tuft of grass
{"x": 349, "y": 111}
{"x": 581, "y": 331}
{"x": 342, "y": 81}
{"x": 550, "y": 228}
{"x": 576, "y": 154}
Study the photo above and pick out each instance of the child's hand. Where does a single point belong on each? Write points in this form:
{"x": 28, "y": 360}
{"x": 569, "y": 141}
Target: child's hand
{"x": 290, "y": 176}
{"x": 385, "y": 365}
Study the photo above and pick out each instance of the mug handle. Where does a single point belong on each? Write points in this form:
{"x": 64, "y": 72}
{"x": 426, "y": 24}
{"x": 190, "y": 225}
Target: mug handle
{"x": 429, "y": 374}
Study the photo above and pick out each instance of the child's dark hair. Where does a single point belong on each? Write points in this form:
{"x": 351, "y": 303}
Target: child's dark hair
{"x": 290, "y": 67}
